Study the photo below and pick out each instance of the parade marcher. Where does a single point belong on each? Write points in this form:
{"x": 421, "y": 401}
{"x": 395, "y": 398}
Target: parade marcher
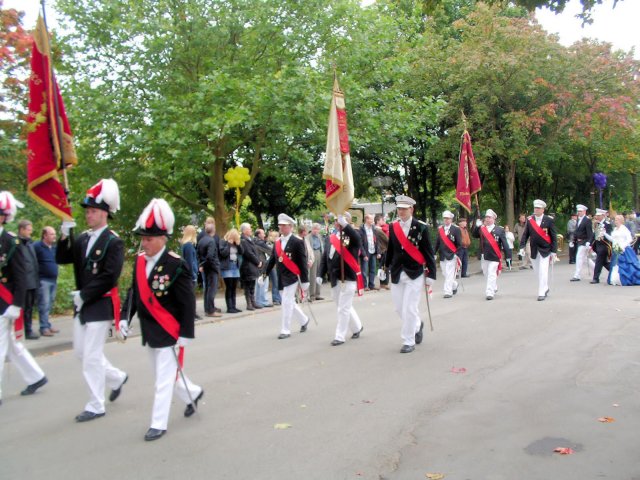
{"x": 571, "y": 230}
{"x": 371, "y": 252}
{"x": 97, "y": 257}
{"x": 340, "y": 258}
{"x": 492, "y": 239}
{"x": 12, "y": 297}
{"x": 382, "y": 238}
{"x": 601, "y": 244}
{"x": 163, "y": 297}
{"x": 290, "y": 254}
{"x": 582, "y": 239}
{"x": 412, "y": 265}
{"x": 448, "y": 241}
{"x": 543, "y": 238}
{"x": 463, "y": 249}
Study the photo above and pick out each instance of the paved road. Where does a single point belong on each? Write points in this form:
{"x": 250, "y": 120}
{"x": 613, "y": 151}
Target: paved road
{"x": 538, "y": 376}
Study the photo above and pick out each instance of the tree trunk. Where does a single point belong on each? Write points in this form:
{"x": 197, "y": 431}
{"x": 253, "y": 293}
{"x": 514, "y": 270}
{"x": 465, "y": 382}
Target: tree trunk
{"x": 510, "y": 193}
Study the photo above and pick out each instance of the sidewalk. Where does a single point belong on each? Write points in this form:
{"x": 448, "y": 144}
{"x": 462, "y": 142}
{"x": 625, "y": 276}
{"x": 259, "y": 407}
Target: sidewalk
{"x": 64, "y": 340}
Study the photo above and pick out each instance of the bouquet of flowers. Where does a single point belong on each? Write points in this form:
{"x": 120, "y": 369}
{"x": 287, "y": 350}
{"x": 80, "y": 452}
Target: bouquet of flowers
{"x": 617, "y": 248}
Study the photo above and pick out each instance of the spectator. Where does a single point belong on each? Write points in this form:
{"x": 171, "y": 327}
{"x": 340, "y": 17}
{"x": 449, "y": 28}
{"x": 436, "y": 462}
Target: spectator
{"x": 189, "y": 254}
{"x": 45, "y": 250}
{"x": 230, "y": 251}
{"x": 273, "y": 274}
{"x": 209, "y": 266}
{"x": 518, "y": 231}
{"x": 262, "y": 283}
{"x": 25, "y": 229}
{"x": 250, "y": 267}
{"x": 315, "y": 245}
{"x": 371, "y": 253}
{"x": 463, "y": 249}
{"x": 382, "y": 238}
{"x": 510, "y": 241}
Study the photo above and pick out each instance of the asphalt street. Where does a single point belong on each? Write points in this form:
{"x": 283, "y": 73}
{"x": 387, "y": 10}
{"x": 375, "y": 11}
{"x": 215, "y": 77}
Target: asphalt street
{"x": 489, "y": 395}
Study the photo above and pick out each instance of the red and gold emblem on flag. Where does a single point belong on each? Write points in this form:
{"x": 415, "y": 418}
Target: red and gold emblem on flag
{"x": 49, "y": 140}
{"x": 337, "y": 165}
{"x": 468, "y": 178}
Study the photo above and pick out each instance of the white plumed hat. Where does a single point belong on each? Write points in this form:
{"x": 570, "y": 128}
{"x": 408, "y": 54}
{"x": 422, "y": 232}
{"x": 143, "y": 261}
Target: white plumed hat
{"x": 157, "y": 219}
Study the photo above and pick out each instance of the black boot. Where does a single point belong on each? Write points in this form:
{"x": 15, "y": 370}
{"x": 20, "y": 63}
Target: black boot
{"x": 247, "y": 297}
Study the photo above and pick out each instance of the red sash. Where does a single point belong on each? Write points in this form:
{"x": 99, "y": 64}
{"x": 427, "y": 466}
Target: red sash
{"x": 539, "y": 231}
{"x": 162, "y": 316}
{"x": 7, "y": 297}
{"x": 351, "y": 261}
{"x": 115, "y": 301}
{"x": 409, "y": 247}
{"x": 494, "y": 245}
{"x": 286, "y": 261}
{"x": 447, "y": 241}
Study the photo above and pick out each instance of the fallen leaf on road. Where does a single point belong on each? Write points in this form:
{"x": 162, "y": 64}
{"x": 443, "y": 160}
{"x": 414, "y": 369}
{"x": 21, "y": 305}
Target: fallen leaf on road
{"x": 435, "y": 476}
{"x": 458, "y": 370}
{"x": 282, "y": 426}
{"x": 367, "y": 401}
{"x": 606, "y": 419}
{"x": 564, "y": 450}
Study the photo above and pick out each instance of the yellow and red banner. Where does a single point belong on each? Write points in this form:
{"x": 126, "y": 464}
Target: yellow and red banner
{"x": 468, "y": 178}
{"x": 337, "y": 165}
{"x": 49, "y": 139}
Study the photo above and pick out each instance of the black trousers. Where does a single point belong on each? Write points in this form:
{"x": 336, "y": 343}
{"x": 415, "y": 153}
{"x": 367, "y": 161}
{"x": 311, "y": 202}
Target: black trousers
{"x": 29, "y": 301}
{"x": 230, "y": 285}
{"x": 601, "y": 261}
{"x": 210, "y": 290}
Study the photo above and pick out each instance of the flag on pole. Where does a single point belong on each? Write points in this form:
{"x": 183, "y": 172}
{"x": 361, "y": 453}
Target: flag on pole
{"x": 337, "y": 164}
{"x": 49, "y": 140}
{"x": 468, "y": 177}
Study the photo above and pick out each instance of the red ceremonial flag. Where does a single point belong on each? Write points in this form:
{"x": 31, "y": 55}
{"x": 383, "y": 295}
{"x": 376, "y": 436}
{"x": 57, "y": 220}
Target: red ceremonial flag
{"x": 337, "y": 165}
{"x": 468, "y": 177}
{"x": 49, "y": 140}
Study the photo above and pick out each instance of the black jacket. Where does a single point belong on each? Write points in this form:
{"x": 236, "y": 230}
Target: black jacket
{"x": 456, "y": 238}
{"x": 602, "y": 244}
{"x": 365, "y": 241}
{"x": 96, "y": 274}
{"x": 398, "y": 260}
{"x": 249, "y": 269}
{"x": 333, "y": 266}
{"x": 32, "y": 281}
{"x": 172, "y": 287}
{"x": 208, "y": 257}
{"x": 12, "y": 269}
{"x": 539, "y": 244}
{"x": 297, "y": 252}
{"x": 485, "y": 246}
{"x": 225, "y": 254}
{"x": 583, "y": 232}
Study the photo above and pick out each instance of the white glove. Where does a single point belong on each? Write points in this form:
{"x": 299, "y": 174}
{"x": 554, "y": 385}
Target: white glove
{"x": 588, "y": 244}
{"x": 478, "y": 222}
{"x": 521, "y": 252}
{"x": 571, "y": 244}
{"x": 382, "y": 275}
{"x": 342, "y": 221}
{"x": 66, "y": 227}
{"x": 261, "y": 280}
{"x": 554, "y": 257}
{"x": 183, "y": 342}
{"x": 123, "y": 330}
{"x": 319, "y": 280}
{"x": 77, "y": 300}
{"x": 305, "y": 286}
{"x": 11, "y": 313}
{"x": 429, "y": 281}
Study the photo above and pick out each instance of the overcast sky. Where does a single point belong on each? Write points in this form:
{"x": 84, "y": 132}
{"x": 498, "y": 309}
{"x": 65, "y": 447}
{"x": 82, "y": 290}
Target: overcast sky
{"x": 614, "y": 25}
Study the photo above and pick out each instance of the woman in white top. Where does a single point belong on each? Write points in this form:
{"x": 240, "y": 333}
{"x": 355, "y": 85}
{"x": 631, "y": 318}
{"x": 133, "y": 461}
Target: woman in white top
{"x": 625, "y": 268}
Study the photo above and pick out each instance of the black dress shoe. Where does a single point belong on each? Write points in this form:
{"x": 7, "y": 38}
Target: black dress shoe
{"x": 319, "y": 298}
{"x": 357, "y": 334}
{"x": 218, "y": 310}
{"x": 419, "y": 334}
{"x": 335, "y": 343}
{"x": 407, "y": 349}
{"x": 594, "y": 281}
{"x": 574, "y": 279}
{"x": 87, "y": 415}
{"x": 455, "y": 290}
{"x": 31, "y": 336}
{"x": 489, "y": 297}
{"x": 541, "y": 298}
{"x": 115, "y": 393}
{"x": 258, "y": 306}
{"x": 153, "y": 434}
{"x": 546, "y": 293}
{"x": 191, "y": 409}
{"x": 31, "y": 389}
{"x": 303, "y": 328}
{"x": 448, "y": 296}
{"x": 465, "y": 276}
{"x": 283, "y": 336}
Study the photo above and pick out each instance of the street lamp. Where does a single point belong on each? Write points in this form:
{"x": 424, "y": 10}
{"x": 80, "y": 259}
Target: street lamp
{"x": 381, "y": 182}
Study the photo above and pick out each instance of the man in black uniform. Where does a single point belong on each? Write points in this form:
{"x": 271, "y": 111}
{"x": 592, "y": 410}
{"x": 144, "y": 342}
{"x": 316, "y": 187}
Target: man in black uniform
{"x": 97, "y": 257}
{"x": 165, "y": 301}
{"x": 291, "y": 256}
{"x": 12, "y": 298}
{"x": 582, "y": 241}
{"x": 340, "y": 257}
{"x": 492, "y": 239}
{"x": 600, "y": 244}
{"x": 541, "y": 232}
{"x": 448, "y": 240}
{"x": 412, "y": 264}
